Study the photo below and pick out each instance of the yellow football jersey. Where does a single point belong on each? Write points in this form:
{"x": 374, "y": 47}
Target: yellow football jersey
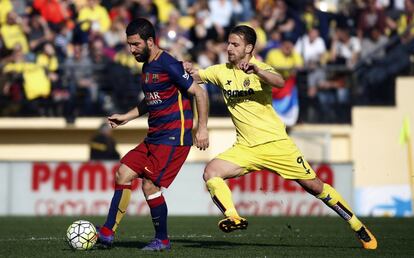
{"x": 249, "y": 101}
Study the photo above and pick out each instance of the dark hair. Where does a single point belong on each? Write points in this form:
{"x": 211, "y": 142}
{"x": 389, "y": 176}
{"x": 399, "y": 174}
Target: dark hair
{"x": 246, "y": 32}
{"x": 142, "y": 27}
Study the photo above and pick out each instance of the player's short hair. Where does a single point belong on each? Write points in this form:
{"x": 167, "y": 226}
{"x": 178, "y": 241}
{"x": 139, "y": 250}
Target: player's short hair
{"x": 142, "y": 27}
{"x": 248, "y": 34}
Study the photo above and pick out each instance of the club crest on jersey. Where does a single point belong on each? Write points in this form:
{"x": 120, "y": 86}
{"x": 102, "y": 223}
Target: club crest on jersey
{"x": 155, "y": 78}
{"x": 146, "y": 77}
{"x": 246, "y": 83}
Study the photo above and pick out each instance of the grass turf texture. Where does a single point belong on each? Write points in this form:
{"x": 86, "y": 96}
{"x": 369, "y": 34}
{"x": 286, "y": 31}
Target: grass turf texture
{"x": 200, "y": 237}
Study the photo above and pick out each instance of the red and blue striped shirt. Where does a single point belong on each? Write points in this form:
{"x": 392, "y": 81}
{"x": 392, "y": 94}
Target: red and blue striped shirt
{"x": 165, "y": 85}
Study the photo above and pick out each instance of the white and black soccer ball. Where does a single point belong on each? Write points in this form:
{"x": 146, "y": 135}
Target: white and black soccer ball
{"x": 81, "y": 235}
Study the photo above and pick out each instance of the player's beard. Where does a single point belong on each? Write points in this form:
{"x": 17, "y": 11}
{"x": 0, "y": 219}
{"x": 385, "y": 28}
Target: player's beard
{"x": 144, "y": 56}
{"x": 234, "y": 59}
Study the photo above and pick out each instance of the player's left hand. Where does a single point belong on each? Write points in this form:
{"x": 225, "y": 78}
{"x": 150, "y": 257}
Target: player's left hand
{"x": 188, "y": 67}
{"x": 248, "y": 68}
{"x": 201, "y": 140}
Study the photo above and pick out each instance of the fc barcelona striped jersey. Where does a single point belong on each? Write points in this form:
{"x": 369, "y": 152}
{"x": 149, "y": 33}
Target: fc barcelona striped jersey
{"x": 165, "y": 85}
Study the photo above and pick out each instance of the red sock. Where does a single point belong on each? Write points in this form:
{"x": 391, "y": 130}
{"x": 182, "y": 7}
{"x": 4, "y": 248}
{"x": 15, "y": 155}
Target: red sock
{"x": 106, "y": 231}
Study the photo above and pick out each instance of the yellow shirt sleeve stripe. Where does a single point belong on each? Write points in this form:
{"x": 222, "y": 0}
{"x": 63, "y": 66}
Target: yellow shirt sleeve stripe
{"x": 180, "y": 104}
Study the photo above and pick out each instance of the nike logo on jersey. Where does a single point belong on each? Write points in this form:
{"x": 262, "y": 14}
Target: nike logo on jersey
{"x": 146, "y": 169}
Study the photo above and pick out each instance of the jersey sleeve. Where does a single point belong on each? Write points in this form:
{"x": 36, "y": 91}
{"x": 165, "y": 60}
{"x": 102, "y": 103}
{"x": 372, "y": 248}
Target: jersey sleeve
{"x": 210, "y": 75}
{"x": 267, "y": 67}
{"x": 180, "y": 77}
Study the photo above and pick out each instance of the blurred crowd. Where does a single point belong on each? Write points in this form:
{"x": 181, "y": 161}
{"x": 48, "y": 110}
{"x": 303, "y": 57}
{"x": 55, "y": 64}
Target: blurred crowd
{"x": 69, "y": 58}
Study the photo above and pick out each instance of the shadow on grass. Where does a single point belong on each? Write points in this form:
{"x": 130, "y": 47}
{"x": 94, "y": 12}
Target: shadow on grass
{"x": 211, "y": 244}
{"x": 226, "y": 244}
{"x": 131, "y": 244}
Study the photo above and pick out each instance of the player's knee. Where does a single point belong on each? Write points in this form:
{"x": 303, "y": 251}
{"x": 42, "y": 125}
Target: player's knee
{"x": 122, "y": 177}
{"x": 312, "y": 186}
{"x": 209, "y": 172}
{"x": 149, "y": 188}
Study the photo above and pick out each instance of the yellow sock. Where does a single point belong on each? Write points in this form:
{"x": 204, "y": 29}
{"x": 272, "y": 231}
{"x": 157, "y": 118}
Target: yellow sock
{"x": 123, "y": 205}
{"x": 221, "y": 195}
{"x": 335, "y": 201}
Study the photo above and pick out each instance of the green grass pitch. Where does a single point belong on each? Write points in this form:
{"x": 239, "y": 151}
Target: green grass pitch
{"x": 200, "y": 237}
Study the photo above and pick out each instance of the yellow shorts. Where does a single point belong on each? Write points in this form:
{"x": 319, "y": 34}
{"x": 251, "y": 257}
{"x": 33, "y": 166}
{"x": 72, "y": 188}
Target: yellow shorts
{"x": 281, "y": 157}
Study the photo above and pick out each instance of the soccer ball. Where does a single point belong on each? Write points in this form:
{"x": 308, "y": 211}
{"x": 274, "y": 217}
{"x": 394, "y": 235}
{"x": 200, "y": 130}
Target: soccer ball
{"x": 81, "y": 235}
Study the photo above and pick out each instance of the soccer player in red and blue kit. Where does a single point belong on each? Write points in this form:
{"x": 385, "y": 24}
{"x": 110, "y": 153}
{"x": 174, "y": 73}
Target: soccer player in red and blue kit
{"x": 158, "y": 159}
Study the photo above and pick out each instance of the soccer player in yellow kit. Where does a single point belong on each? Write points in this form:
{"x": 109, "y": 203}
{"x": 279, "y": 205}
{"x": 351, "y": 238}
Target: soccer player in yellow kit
{"x": 262, "y": 141}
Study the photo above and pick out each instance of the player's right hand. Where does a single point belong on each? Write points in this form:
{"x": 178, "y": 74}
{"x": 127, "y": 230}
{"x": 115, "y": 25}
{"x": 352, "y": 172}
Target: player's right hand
{"x": 117, "y": 119}
{"x": 201, "y": 140}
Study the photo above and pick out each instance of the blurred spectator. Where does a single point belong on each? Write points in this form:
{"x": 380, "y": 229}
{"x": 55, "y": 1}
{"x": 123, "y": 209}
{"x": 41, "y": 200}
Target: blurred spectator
{"x": 278, "y": 17}
{"x": 78, "y": 79}
{"x": 115, "y": 36}
{"x": 20, "y": 7}
{"x": 125, "y": 80}
{"x": 101, "y": 65}
{"x": 311, "y": 47}
{"x": 345, "y": 49}
{"x": 314, "y": 18}
{"x": 35, "y": 84}
{"x": 405, "y": 23}
{"x": 120, "y": 12}
{"x": 165, "y": 9}
{"x": 55, "y": 12}
{"x": 222, "y": 12}
{"x": 285, "y": 59}
{"x": 334, "y": 100}
{"x": 94, "y": 17}
{"x": 247, "y": 10}
{"x": 62, "y": 42}
{"x": 48, "y": 60}
{"x": 59, "y": 96}
{"x": 13, "y": 33}
{"x": 39, "y": 32}
{"x": 103, "y": 145}
{"x": 146, "y": 9}
{"x": 373, "y": 46}
{"x": 346, "y": 17}
{"x": 275, "y": 40}
{"x": 202, "y": 29}
{"x": 174, "y": 38}
{"x": 370, "y": 18}
{"x": 5, "y": 7}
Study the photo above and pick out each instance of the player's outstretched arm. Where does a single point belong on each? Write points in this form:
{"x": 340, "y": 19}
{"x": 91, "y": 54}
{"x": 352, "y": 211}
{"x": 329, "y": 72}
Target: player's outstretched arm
{"x": 272, "y": 79}
{"x": 189, "y": 68}
{"x": 201, "y": 138}
{"x": 120, "y": 119}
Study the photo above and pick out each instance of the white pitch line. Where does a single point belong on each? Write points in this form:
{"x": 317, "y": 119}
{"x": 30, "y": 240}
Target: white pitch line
{"x": 131, "y": 237}
{"x": 31, "y": 239}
